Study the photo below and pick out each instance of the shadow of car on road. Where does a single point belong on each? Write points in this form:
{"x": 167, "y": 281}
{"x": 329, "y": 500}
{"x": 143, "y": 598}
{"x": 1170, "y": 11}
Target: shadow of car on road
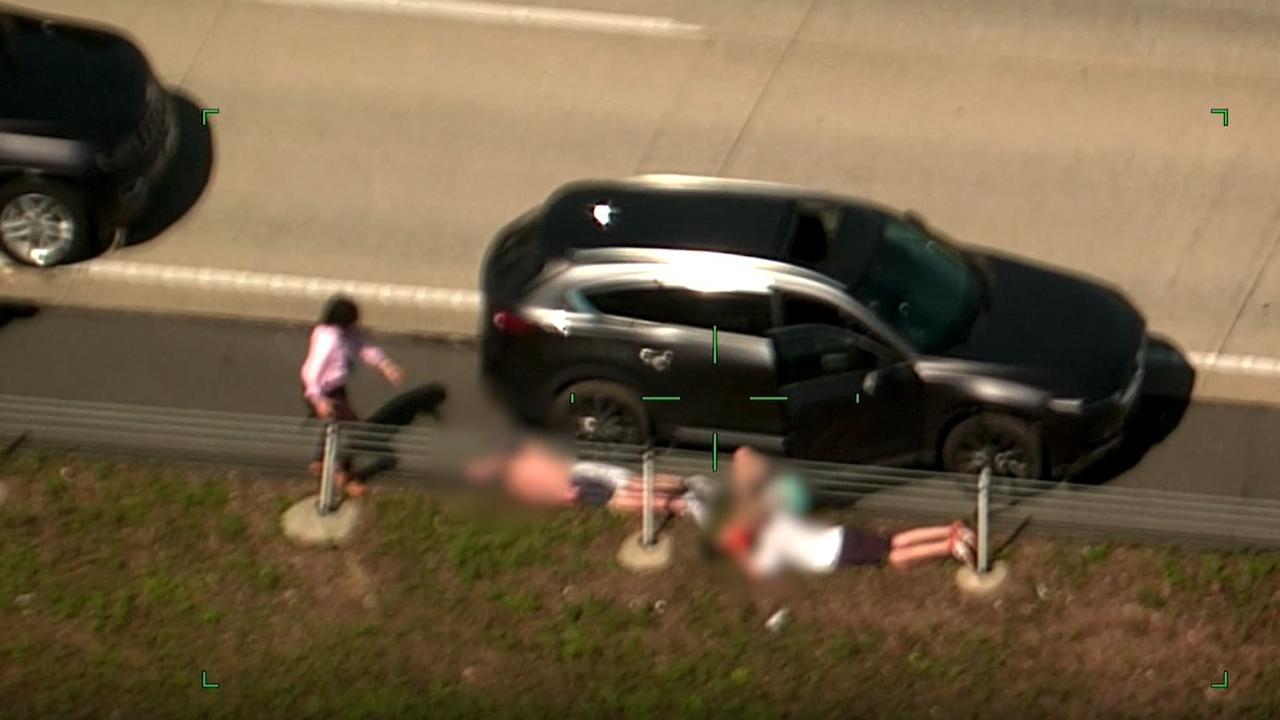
{"x": 1165, "y": 397}
{"x": 182, "y": 184}
{"x": 12, "y": 311}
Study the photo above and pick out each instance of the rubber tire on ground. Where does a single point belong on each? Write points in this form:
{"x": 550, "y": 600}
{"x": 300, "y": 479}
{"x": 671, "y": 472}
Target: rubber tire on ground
{"x": 1006, "y": 425}
{"x": 619, "y": 394}
{"x": 85, "y": 240}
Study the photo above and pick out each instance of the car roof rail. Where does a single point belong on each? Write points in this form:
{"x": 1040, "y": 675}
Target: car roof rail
{"x": 667, "y": 256}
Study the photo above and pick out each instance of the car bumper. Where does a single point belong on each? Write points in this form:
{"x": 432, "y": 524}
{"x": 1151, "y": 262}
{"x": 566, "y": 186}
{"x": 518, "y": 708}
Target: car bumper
{"x": 130, "y": 193}
{"x": 136, "y": 193}
{"x": 1078, "y": 442}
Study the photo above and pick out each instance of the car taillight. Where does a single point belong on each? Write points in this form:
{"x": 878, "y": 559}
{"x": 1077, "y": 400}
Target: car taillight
{"x": 509, "y": 323}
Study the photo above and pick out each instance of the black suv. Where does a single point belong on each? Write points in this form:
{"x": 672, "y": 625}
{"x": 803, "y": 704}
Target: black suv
{"x": 84, "y": 129}
{"x": 698, "y": 310}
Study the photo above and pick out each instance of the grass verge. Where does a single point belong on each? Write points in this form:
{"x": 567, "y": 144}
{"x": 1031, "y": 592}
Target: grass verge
{"x": 121, "y": 584}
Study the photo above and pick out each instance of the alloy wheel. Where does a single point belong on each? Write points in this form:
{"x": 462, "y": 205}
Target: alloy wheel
{"x": 601, "y": 419}
{"x": 38, "y": 229}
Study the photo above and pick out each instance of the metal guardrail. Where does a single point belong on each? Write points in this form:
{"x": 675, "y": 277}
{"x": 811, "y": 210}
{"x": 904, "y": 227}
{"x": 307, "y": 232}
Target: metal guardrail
{"x": 426, "y": 454}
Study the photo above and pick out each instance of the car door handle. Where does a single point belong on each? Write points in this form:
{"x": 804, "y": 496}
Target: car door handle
{"x": 657, "y": 359}
{"x": 871, "y": 382}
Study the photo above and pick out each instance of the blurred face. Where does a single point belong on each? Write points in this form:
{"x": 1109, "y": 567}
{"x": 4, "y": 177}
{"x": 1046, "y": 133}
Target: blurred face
{"x": 538, "y": 476}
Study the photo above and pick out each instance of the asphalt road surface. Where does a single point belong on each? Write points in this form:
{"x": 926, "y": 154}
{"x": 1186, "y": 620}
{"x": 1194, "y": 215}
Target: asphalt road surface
{"x": 1227, "y": 449}
{"x": 386, "y": 143}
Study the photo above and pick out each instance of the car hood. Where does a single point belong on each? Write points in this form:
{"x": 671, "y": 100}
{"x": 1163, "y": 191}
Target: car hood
{"x": 70, "y": 81}
{"x": 1065, "y": 335}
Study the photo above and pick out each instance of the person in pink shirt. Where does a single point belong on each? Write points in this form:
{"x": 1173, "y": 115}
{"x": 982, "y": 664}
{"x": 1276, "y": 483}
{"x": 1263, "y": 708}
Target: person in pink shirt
{"x": 337, "y": 341}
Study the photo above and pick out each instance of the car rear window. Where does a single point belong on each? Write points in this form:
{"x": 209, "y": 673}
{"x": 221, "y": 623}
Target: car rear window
{"x": 745, "y": 313}
{"x": 515, "y": 259}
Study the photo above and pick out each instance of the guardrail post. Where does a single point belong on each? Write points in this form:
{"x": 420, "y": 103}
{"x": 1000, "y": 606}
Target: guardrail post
{"x": 986, "y": 578}
{"x": 332, "y": 438}
{"x": 645, "y": 551}
{"x": 984, "y": 510}
{"x": 647, "y": 470}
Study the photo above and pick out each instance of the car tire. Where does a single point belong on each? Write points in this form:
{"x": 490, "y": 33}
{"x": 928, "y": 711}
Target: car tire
{"x": 1009, "y": 445}
{"x": 601, "y": 411}
{"x": 37, "y": 206}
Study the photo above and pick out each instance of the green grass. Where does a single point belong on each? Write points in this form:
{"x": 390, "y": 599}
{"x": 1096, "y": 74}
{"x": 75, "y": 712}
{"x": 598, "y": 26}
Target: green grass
{"x": 136, "y": 578}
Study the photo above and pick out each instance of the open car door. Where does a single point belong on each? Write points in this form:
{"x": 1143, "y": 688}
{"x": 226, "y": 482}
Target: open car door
{"x": 849, "y": 398}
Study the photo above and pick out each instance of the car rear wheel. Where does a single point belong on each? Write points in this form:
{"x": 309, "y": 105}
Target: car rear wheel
{"x": 600, "y": 411}
{"x": 1009, "y": 446}
{"x": 43, "y": 223}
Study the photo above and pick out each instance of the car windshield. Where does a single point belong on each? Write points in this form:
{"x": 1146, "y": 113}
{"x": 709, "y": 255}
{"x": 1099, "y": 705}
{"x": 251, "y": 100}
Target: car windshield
{"x": 920, "y": 287}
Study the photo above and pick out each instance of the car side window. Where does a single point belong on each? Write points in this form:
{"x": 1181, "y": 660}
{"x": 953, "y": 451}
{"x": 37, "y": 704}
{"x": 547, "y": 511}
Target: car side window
{"x": 811, "y": 351}
{"x": 802, "y": 310}
{"x": 745, "y": 313}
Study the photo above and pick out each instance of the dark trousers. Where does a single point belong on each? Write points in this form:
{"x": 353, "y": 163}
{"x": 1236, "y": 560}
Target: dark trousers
{"x": 342, "y": 412}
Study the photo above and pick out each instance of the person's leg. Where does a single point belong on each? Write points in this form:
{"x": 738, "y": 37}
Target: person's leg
{"x": 904, "y": 557}
{"x": 629, "y": 494}
{"x": 921, "y": 535}
{"x": 926, "y": 543}
{"x": 342, "y": 412}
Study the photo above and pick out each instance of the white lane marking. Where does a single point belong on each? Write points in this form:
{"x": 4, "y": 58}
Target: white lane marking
{"x": 502, "y": 13}
{"x": 1235, "y": 364}
{"x": 203, "y": 278}
{"x": 283, "y": 285}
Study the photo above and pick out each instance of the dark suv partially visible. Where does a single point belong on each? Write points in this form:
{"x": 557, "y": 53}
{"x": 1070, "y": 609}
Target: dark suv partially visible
{"x": 698, "y": 310}
{"x": 85, "y": 129}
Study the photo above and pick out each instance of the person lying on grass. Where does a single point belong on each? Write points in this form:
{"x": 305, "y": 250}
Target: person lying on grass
{"x": 766, "y": 540}
{"x": 536, "y": 471}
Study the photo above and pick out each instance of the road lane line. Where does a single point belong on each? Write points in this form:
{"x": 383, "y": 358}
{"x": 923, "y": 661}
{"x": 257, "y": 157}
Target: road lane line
{"x": 1235, "y": 364}
{"x": 282, "y": 285}
{"x": 504, "y": 14}
{"x": 423, "y": 297}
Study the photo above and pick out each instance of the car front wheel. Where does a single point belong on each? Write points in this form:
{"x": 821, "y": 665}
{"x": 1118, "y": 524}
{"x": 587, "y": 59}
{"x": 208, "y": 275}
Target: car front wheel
{"x": 43, "y": 223}
{"x": 600, "y": 411}
{"x": 1009, "y": 446}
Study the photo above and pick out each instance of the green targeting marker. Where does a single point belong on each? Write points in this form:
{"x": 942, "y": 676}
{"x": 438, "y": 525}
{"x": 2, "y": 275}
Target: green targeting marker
{"x": 1222, "y": 112}
{"x": 571, "y": 398}
{"x": 205, "y": 113}
{"x": 660, "y": 398}
{"x": 1222, "y": 685}
{"x": 715, "y": 345}
{"x": 204, "y": 681}
{"x": 715, "y": 452}
{"x": 769, "y": 398}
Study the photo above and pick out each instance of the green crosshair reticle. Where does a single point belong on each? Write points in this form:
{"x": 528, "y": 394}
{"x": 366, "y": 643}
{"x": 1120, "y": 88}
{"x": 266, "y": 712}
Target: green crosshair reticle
{"x": 715, "y": 360}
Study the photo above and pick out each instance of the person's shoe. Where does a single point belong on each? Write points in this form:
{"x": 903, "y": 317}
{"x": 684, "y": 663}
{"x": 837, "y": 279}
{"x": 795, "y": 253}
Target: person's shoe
{"x": 963, "y": 533}
{"x": 704, "y": 488}
{"x": 698, "y": 509}
{"x": 963, "y": 551}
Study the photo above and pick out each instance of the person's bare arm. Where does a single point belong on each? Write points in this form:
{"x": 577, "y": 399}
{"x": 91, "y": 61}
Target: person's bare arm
{"x": 374, "y": 356}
